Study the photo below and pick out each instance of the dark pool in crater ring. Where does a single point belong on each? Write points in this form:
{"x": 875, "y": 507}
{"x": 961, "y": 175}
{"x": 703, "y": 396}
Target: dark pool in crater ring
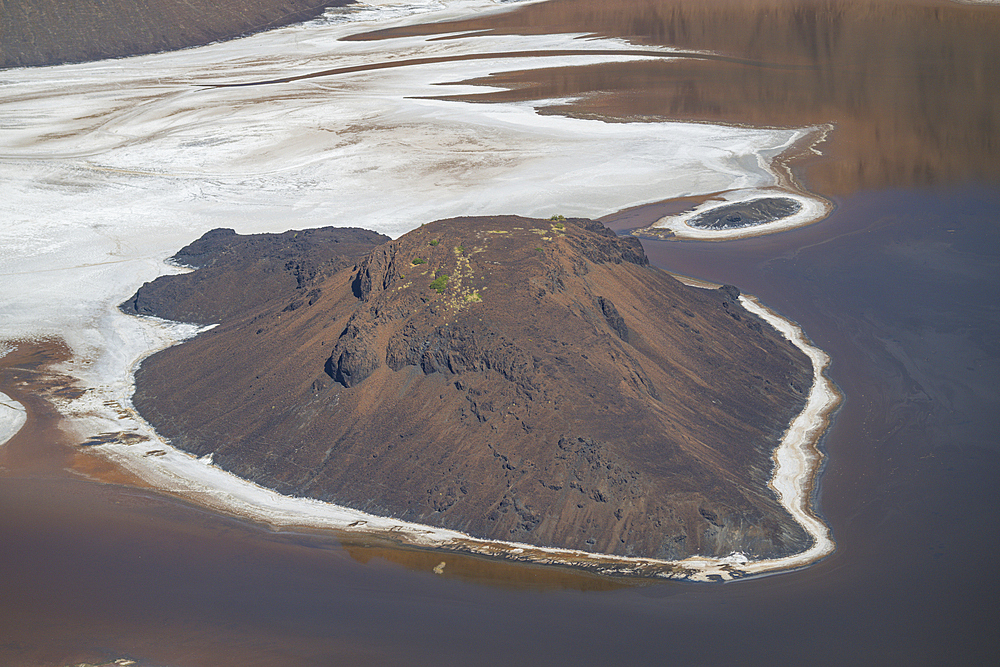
{"x": 746, "y": 213}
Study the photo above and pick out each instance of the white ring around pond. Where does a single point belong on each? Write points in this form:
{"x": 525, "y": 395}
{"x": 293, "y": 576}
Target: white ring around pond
{"x": 813, "y": 209}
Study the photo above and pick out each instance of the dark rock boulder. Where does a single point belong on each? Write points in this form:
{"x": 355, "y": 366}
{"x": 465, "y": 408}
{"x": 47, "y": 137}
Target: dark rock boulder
{"x": 612, "y": 317}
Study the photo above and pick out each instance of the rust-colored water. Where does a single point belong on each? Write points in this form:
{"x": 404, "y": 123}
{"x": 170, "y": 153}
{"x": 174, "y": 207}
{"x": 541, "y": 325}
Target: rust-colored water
{"x": 899, "y": 285}
{"x": 909, "y": 85}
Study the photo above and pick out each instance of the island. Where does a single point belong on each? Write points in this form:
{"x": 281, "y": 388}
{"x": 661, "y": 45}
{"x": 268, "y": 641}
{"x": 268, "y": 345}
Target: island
{"x": 512, "y": 379}
{"x": 746, "y": 214}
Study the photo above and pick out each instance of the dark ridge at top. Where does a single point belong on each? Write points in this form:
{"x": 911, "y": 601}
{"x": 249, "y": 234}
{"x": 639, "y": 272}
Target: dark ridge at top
{"x": 52, "y": 32}
{"x": 237, "y": 272}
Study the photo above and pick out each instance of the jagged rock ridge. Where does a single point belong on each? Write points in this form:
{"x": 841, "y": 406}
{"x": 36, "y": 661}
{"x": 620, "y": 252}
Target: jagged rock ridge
{"x": 239, "y": 272}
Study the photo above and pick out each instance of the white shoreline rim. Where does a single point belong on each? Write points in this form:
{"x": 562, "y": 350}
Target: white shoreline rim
{"x": 150, "y": 458}
{"x": 13, "y": 414}
{"x": 813, "y": 207}
{"x": 798, "y": 459}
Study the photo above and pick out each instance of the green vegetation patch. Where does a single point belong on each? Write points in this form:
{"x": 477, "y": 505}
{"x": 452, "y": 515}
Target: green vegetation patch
{"x": 433, "y": 242}
{"x": 440, "y": 283}
{"x": 419, "y": 260}
{"x": 556, "y": 218}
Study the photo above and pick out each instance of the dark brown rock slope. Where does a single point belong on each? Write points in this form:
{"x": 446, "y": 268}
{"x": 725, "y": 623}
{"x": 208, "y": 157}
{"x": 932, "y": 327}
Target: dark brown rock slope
{"x": 49, "y": 32}
{"x": 236, "y": 272}
{"x": 516, "y": 379}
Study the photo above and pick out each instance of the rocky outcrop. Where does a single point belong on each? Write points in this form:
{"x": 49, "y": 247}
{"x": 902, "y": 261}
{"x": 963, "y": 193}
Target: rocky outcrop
{"x": 602, "y": 245}
{"x": 515, "y": 379}
{"x": 237, "y": 272}
{"x": 612, "y": 317}
{"x": 459, "y": 349}
{"x": 353, "y": 359}
{"x": 746, "y": 213}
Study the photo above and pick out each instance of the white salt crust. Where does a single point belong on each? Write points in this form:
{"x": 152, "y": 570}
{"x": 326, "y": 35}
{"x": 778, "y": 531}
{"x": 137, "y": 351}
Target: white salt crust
{"x": 107, "y": 168}
{"x": 12, "y": 413}
{"x": 813, "y": 209}
{"x": 12, "y": 417}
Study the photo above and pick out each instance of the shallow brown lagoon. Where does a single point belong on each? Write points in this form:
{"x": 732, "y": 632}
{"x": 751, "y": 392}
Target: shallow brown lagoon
{"x": 908, "y": 83}
{"x": 897, "y": 285}
{"x": 107, "y": 571}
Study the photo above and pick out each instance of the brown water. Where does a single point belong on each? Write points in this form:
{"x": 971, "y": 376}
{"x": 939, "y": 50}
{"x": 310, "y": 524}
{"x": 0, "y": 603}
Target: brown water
{"x": 898, "y": 285}
{"x": 907, "y": 310}
{"x": 909, "y": 84}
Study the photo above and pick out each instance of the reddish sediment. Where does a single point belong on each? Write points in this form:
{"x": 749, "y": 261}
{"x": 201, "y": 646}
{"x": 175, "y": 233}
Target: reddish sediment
{"x": 43, "y": 447}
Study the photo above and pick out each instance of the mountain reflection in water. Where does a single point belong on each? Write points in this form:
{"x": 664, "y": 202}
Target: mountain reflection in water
{"x": 909, "y": 85}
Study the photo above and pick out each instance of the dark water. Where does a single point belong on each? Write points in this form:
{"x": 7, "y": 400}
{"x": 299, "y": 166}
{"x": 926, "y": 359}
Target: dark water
{"x": 900, "y": 286}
